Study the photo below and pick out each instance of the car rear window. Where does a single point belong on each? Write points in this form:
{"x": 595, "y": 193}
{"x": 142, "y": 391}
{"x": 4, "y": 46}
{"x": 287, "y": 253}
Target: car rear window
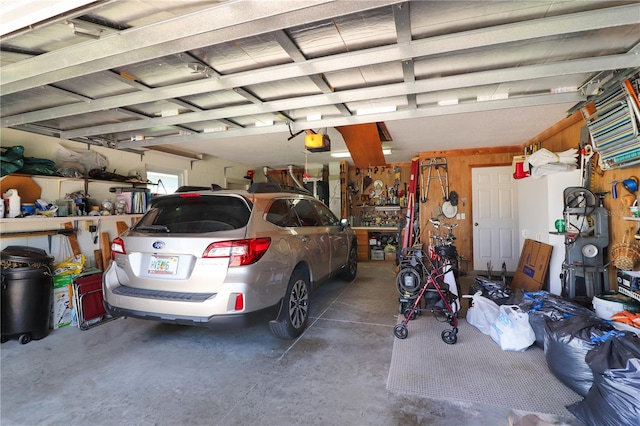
{"x": 195, "y": 214}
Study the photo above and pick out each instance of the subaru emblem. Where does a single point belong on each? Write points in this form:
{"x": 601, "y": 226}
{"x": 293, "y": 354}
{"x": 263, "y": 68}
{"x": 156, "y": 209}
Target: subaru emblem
{"x": 158, "y": 244}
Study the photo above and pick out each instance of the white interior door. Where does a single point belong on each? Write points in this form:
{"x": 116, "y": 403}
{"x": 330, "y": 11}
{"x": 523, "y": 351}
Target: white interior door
{"x": 495, "y": 218}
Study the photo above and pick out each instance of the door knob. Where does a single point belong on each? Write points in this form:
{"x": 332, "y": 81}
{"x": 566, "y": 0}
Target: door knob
{"x": 475, "y": 224}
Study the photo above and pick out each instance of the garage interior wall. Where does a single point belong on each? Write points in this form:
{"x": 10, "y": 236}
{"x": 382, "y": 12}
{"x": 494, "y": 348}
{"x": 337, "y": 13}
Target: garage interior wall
{"x": 565, "y": 135}
{"x": 201, "y": 172}
{"x": 562, "y": 136}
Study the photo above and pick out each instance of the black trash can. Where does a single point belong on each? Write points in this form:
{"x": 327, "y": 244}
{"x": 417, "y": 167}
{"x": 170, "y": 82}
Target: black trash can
{"x": 26, "y": 293}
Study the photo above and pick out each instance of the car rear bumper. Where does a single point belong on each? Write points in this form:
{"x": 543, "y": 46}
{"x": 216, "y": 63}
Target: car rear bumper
{"x": 239, "y": 320}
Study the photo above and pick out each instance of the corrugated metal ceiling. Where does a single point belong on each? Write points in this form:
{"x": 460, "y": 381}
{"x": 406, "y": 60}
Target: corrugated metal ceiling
{"x": 204, "y": 75}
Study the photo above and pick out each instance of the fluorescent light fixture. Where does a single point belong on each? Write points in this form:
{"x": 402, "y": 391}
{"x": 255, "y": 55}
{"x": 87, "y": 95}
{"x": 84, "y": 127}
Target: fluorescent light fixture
{"x": 567, "y": 89}
{"x": 448, "y": 102}
{"x": 170, "y": 112}
{"x": 314, "y": 117}
{"x": 347, "y": 154}
{"x": 216, "y": 129}
{"x": 493, "y": 97}
{"x": 376, "y": 110}
{"x": 264, "y": 123}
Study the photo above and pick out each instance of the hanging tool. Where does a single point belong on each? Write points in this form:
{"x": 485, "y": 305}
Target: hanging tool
{"x": 585, "y": 165}
{"x": 397, "y": 174}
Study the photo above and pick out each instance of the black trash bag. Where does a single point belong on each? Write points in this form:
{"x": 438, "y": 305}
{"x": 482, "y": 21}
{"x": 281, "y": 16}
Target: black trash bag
{"x": 613, "y": 398}
{"x": 541, "y": 305}
{"x": 566, "y": 345}
{"x": 613, "y": 351}
{"x": 493, "y": 290}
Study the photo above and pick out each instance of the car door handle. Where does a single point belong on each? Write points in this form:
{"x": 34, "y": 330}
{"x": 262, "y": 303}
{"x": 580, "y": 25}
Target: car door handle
{"x": 305, "y": 239}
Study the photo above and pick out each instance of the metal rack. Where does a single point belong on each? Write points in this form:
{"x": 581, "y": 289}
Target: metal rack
{"x": 436, "y": 163}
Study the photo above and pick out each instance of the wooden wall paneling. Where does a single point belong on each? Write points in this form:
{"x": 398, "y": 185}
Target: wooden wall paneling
{"x": 460, "y": 163}
{"x": 384, "y": 173}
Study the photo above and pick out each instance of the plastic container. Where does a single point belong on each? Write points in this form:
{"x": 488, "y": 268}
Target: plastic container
{"x": 12, "y": 203}
{"x": 26, "y": 293}
{"x": 607, "y": 304}
{"x": 377, "y": 254}
{"x": 28, "y": 208}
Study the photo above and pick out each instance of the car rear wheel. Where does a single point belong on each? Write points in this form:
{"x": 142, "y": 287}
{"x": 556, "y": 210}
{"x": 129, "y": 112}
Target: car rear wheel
{"x": 350, "y": 270}
{"x": 294, "y": 312}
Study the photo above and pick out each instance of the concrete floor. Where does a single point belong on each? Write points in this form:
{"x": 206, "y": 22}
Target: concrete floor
{"x": 134, "y": 372}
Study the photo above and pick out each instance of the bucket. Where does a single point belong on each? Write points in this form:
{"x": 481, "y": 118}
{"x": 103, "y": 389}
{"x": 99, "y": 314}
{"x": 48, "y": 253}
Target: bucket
{"x": 609, "y": 303}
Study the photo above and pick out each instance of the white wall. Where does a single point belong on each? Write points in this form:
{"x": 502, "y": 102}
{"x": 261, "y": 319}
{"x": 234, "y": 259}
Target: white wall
{"x": 203, "y": 172}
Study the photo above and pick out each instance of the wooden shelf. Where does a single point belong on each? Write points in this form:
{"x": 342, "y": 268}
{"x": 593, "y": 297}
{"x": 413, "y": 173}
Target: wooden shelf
{"x": 64, "y": 219}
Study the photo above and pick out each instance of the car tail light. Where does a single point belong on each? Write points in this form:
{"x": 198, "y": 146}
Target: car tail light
{"x": 117, "y": 246}
{"x": 189, "y": 195}
{"x": 239, "y": 302}
{"x": 239, "y": 252}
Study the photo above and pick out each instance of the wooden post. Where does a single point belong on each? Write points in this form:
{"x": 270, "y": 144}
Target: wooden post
{"x": 105, "y": 246}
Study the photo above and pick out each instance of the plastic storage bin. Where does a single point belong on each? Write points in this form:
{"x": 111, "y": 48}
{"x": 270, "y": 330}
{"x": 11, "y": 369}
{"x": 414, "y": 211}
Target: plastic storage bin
{"x": 377, "y": 254}
{"x": 26, "y": 293}
{"x": 609, "y": 303}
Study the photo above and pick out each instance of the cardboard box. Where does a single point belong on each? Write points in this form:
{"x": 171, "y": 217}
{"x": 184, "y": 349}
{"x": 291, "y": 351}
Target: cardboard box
{"x": 62, "y": 313}
{"x": 389, "y": 255}
{"x": 532, "y": 266}
{"x": 629, "y": 283}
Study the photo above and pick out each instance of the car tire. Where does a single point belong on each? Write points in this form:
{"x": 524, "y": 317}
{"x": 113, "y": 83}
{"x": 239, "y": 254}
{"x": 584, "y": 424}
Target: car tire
{"x": 294, "y": 312}
{"x": 350, "y": 270}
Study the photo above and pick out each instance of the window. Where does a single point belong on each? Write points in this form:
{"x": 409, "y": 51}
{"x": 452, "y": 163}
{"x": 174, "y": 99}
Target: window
{"x": 168, "y": 181}
{"x": 326, "y": 216}
{"x": 306, "y": 213}
{"x": 280, "y": 214}
{"x": 194, "y": 215}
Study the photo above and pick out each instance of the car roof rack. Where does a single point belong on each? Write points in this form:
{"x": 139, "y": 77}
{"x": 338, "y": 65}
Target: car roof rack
{"x": 188, "y": 188}
{"x": 271, "y": 187}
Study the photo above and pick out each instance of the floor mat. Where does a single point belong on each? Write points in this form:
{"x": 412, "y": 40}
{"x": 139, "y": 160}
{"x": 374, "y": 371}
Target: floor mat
{"x": 475, "y": 369}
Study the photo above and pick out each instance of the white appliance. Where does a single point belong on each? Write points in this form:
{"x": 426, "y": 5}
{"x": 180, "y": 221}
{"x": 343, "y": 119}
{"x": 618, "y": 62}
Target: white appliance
{"x": 540, "y": 204}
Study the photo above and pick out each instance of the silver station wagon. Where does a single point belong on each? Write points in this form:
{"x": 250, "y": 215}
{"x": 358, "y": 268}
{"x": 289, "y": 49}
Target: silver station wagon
{"x": 207, "y": 257}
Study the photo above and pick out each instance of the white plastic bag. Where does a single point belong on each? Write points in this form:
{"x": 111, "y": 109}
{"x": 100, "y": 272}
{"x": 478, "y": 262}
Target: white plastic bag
{"x": 511, "y": 330}
{"x": 450, "y": 280}
{"x": 81, "y": 161}
{"x": 482, "y": 313}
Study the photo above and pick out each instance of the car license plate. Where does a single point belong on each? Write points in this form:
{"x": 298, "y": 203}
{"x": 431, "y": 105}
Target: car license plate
{"x": 166, "y": 265}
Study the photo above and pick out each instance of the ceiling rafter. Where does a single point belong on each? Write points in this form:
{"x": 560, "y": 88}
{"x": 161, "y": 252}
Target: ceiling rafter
{"x": 421, "y": 86}
{"x": 516, "y": 102}
{"x": 418, "y": 48}
{"x": 225, "y": 22}
{"x": 292, "y": 50}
